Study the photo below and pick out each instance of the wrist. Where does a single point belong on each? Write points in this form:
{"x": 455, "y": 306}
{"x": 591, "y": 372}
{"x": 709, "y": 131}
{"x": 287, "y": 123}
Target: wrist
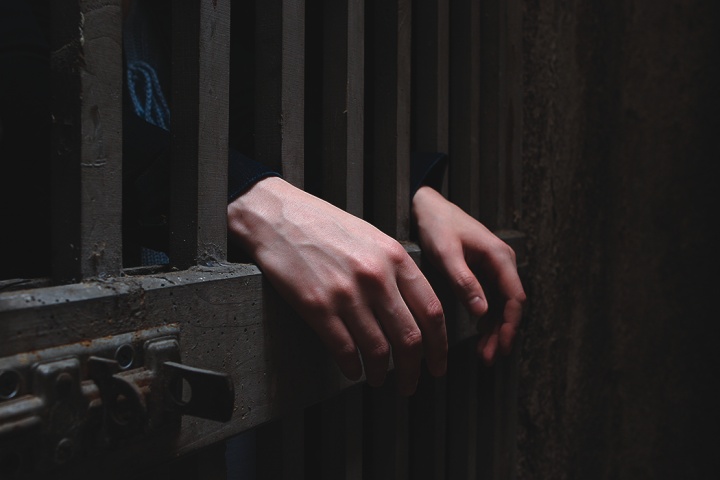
{"x": 252, "y": 215}
{"x": 423, "y": 200}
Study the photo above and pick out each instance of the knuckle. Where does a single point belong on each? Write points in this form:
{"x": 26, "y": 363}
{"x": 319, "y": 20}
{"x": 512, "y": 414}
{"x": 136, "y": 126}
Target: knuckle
{"x": 503, "y": 250}
{"x": 368, "y": 269}
{"x": 315, "y": 301}
{"x": 511, "y": 253}
{"x": 521, "y": 297}
{"x": 378, "y": 353}
{"x": 434, "y": 313}
{"x": 410, "y": 342}
{"x": 465, "y": 280}
{"x": 345, "y": 352}
{"x": 344, "y": 292}
{"x": 396, "y": 253}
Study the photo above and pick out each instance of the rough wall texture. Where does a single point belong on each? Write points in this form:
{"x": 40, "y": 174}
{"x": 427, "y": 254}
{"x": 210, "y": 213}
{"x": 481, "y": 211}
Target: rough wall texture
{"x": 619, "y": 353}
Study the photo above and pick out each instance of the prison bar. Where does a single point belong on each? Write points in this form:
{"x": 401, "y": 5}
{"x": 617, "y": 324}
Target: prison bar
{"x": 199, "y": 127}
{"x": 375, "y": 80}
{"x": 86, "y": 84}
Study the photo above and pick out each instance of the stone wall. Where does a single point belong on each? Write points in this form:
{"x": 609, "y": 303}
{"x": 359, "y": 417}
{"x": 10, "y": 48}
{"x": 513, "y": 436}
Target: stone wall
{"x": 620, "y": 172}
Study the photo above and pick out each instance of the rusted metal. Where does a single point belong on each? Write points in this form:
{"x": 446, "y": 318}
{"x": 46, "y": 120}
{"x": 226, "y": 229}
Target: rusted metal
{"x": 66, "y": 403}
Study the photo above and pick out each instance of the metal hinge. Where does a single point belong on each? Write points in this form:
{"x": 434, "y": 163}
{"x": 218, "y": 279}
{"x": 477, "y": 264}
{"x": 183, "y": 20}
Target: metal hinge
{"x": 63, "y": 404}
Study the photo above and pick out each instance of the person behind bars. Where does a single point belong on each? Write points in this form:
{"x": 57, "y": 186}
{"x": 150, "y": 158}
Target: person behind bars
{"x": 355, "y": 286}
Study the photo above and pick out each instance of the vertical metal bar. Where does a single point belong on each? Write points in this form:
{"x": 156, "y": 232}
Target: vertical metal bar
{"x": 391, "y": 83}
{"x": 341, "y": 436}
{"x": 487, "y": 423}
{"x": 512, "y": 79}
{"x": 493, "y": 143}
{"x": 430, "y": 75}
{"x": 500, "y": 197}
{"x": 343, "y": 103}
{"x": 505, "y": 428}
{"x": 465, "y": 105}
{"x": 354, "y": 432}
{"x": 464, "y": 184}
{"x": 386, "y": 438}
{"x": 501, "y": 118}
{"x": 280, "y": 449}
{"x": 199, "y": 127}
{"x": 462, "y": 410}
{"x": 86, "y": 59}
{"x": 497, "y": 419}
{"x": 280, "y": 86}
{"x": 497, "y": 411}
{"x": 427, "y": 429}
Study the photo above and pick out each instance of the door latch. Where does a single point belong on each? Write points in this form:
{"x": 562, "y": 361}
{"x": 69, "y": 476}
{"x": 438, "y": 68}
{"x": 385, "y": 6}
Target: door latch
{"x": 65, "y": 403}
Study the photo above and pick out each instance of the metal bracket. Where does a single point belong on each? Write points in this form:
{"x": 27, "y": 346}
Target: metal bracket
{"x": 66, "y": 403}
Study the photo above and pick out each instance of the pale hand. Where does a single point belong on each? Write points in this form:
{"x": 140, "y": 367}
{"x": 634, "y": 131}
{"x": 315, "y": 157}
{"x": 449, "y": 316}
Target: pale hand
{"x": 457, "y": 244}
{"x": 354, "y": 285}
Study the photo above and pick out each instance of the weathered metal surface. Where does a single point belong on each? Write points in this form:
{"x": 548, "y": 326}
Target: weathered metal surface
{"x": 464, "y": 106}
{"x": 229, "y": 320}
{"x": 430, "y": 75}
{"x": 280, "y": 87}
{"x": 200, "y": 104}
{"x": 388, "y": 84}
{"x": 501, "y": 115}
{"x": 343, "y": 99}
{"x": 82, "y": 401}
{"x": 86, "y": 80}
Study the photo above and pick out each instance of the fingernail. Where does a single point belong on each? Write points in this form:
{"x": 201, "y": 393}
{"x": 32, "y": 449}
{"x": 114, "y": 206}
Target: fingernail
{"x": 474, "y": 300}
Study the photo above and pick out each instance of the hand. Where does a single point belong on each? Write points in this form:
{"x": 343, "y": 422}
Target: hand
{"x": 456, "y": 243}
{"x": 354, "y": 285}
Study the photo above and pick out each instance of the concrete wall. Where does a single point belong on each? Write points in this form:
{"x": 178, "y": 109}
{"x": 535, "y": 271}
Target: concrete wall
{"x": 620, "y": 174}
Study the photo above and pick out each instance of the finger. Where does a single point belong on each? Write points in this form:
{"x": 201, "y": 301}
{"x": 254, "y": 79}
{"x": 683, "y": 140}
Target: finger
{"x": 370, "y": 339}
{"x": 512, "y": 315}
{"x": 509, "y": 283}
{"x": 482, "y": 341}
{"x": 487, "y": 346}
{"x": 465, "y": 283}
{"x": 511, "y": 289}
{"x": 427, "y": 310}
{"x": 337, "y": 339}
{"x": 406, "y": 340}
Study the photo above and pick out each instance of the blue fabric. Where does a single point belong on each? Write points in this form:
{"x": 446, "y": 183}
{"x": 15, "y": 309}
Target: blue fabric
{"x": 149, "y": 256}
{"x": 146, "y": 64}
{"x": 146, "y": 142}
{"x": 146, "y": 94}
